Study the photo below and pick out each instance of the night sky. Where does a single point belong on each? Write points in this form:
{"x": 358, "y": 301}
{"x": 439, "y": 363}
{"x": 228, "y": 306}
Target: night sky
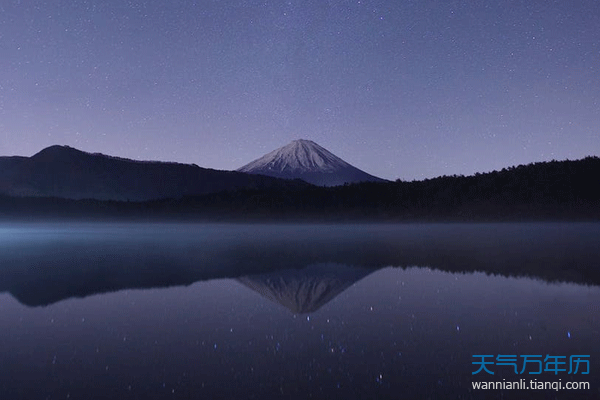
{"x": 400, "y": 89}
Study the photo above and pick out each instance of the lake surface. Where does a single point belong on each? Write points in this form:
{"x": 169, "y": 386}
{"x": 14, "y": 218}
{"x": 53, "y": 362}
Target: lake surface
{"x": 194, "y": 311}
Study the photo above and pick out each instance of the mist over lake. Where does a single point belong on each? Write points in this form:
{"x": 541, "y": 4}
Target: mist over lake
{"x": 121, "y": 310}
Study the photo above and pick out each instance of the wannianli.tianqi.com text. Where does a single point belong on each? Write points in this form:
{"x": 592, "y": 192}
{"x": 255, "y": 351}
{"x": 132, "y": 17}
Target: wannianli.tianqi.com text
{"x": 532, "y": 384}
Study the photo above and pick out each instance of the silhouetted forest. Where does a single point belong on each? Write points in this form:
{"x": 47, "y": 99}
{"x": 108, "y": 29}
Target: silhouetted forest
{"x": 556, "y": 190}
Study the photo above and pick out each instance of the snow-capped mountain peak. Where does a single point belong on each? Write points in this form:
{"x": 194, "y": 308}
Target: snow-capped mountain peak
{"x": 305, "y": 159}
{"x": 298, "y": 156}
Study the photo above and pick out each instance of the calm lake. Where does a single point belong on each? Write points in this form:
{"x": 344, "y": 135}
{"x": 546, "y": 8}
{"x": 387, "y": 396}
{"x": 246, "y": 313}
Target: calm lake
{"x": 201, "y": 311}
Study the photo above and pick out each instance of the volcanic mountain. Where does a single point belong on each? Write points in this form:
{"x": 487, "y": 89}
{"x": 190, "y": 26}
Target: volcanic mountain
{"x": 306, "y": 160}
{"x": 62, "y": 171}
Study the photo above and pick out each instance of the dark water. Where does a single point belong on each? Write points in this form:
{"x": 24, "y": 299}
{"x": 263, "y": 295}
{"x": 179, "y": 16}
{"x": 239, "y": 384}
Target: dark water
{"x": 109, "y": 311}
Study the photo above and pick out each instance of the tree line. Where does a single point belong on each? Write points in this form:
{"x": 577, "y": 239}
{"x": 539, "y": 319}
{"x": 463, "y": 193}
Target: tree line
{"x": 555, "y": 190}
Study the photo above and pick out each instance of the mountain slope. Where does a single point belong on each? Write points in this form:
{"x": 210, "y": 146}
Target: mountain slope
{"x": 306, "y": 160}
{"x": 62, "y": 171}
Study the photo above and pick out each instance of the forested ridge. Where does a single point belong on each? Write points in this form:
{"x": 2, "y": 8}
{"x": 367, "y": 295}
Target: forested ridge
{"x": 555, "y": 190}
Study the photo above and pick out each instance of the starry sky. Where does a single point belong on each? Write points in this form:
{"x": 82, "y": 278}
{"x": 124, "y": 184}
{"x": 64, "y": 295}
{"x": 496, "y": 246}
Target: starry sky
{"x": 401, "y": 89}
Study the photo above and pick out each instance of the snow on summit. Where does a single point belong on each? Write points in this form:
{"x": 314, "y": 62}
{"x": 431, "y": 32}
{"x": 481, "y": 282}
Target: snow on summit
{"x": 304, "y": 159}
{"x": 298, "y": 156}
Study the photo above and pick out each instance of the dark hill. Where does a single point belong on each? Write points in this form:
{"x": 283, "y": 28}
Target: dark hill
{"x": 62, "y": 171}
{"x": 556, "y": 190}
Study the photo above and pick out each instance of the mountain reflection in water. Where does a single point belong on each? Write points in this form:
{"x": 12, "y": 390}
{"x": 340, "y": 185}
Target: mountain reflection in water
{"x": 350, "y": 327}
{"x": 306, "y": 290}
{"x": 48, "y": 263}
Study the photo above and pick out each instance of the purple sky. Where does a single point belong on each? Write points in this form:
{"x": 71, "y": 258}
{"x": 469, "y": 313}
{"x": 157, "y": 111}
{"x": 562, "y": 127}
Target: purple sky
{"x": 400, "y": 89}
